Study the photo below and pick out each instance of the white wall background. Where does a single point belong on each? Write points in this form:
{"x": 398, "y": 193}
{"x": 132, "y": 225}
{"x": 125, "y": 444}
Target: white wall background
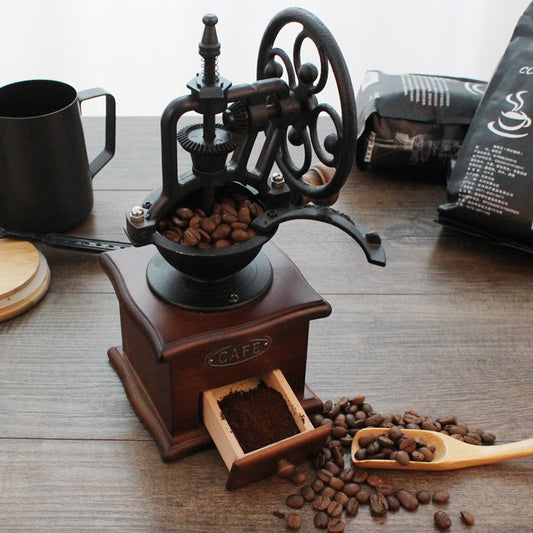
{"x": 144, "y": 52}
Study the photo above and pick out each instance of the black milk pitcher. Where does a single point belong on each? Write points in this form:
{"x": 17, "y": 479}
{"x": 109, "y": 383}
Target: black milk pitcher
{"x": 45, "y": 175}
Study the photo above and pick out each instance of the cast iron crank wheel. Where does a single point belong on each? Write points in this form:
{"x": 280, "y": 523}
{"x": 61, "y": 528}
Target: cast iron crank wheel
{"x": 305, "y": 82}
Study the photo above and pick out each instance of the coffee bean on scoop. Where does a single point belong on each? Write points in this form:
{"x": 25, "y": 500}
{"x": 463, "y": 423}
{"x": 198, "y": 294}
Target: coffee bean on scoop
{"x": 401, "y": 457}
{"x": 366, "y": 440}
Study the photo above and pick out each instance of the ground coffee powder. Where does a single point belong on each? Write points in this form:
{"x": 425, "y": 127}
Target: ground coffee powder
{"x": 258, "y": 417}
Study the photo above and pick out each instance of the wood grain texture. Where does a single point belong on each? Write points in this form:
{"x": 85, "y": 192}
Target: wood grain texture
{"x": 19, "y": 261}
{"x": 444, "y": 328}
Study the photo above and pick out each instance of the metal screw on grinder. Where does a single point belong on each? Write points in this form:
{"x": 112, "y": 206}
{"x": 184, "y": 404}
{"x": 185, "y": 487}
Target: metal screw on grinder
{"x": 137, "y": 214}
{"x": 278, "y": 181}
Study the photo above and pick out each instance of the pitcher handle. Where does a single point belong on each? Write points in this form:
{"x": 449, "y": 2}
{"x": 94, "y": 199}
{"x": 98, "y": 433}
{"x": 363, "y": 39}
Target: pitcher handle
{"x": 110, "y": 127}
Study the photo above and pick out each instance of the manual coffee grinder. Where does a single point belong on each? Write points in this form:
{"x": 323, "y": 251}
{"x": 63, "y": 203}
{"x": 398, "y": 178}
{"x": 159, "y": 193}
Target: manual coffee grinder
{"x": 196, "y": 318}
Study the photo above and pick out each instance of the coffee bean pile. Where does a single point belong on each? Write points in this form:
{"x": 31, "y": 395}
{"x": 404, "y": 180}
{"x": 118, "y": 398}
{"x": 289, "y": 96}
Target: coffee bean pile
{"x": 338, "y": 491}
{"x": 227, "y": 224}
{"x": 396, "y": 446}
{"x": 348, "y": 415}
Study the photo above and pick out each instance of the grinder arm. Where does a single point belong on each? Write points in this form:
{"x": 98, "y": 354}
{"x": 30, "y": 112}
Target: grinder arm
{"x": 370, "y": 242}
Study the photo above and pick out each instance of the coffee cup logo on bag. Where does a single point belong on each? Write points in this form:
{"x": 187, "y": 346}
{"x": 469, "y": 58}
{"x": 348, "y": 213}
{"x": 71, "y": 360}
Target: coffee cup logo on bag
{"x": 45, "y": 175}
{"x": 511, "y": 123}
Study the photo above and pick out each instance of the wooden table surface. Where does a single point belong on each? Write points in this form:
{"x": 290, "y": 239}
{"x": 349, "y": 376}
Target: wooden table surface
{"x": 444, "y": 328}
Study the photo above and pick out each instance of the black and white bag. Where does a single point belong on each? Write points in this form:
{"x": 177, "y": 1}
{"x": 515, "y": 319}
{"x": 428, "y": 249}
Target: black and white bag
{"x": 413, "y": 122}
{"x": 490, "y": 187}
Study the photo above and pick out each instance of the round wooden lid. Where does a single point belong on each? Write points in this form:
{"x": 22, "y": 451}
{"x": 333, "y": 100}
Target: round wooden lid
{"x": 24, "y": 277}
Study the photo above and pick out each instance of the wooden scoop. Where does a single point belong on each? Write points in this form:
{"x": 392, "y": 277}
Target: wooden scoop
{"x": 450, "y": 453}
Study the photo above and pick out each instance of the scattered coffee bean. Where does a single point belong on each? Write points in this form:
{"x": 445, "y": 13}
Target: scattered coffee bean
{"x": 374, "y": 480}
{"x": 307, "y": 492}
{"x": 441, "y": 496}
{"x": 328, "y": 492}
{"x": 407, "y": 499}
{"x": 325, "y": 475}
{"x": 299, "y": 478}
{"x": 394, "y": 503}
{"x": 363, "y": 496}
{"x": 386, "y": 489}
{"x": 321, "y": 503}
{"x": 360, "y": 476}
{"x": 336, "y": 526}
{"x": 337, "y": 456}
{"x": 442, "y": 520}
{"x": 285, "y": 469}
{"x": 295, "y": 501}
{"x": 378, "y": 504}
{"x": 347, "y": 475}
{"x": 321, "y": 520}
{"x": 336, "y": 483}
{"x": 467, "y": 518}
{"x": 294, "y": 521}
{"x": 342, "y": 498}
{"x": 334, "y": 509}
{"x": 423, "y": 496}
{"x": 333, "y": 468}
{"x": 351, "y": 489}
{"x": 352, "y": 507}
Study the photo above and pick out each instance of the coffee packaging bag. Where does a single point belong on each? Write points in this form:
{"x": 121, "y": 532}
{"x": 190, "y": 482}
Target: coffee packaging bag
{"x": 413, "y": 122}
{"x": 490, "y": 186}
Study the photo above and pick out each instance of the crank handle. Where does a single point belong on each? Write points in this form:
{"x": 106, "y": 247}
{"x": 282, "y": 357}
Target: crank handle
{"x": 370, "y": 242}
{"x": 70, "y": 242}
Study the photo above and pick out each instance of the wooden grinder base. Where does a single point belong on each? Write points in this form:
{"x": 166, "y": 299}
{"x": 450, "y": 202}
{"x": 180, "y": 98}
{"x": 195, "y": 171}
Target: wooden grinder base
{"x": 170, "y": 356}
